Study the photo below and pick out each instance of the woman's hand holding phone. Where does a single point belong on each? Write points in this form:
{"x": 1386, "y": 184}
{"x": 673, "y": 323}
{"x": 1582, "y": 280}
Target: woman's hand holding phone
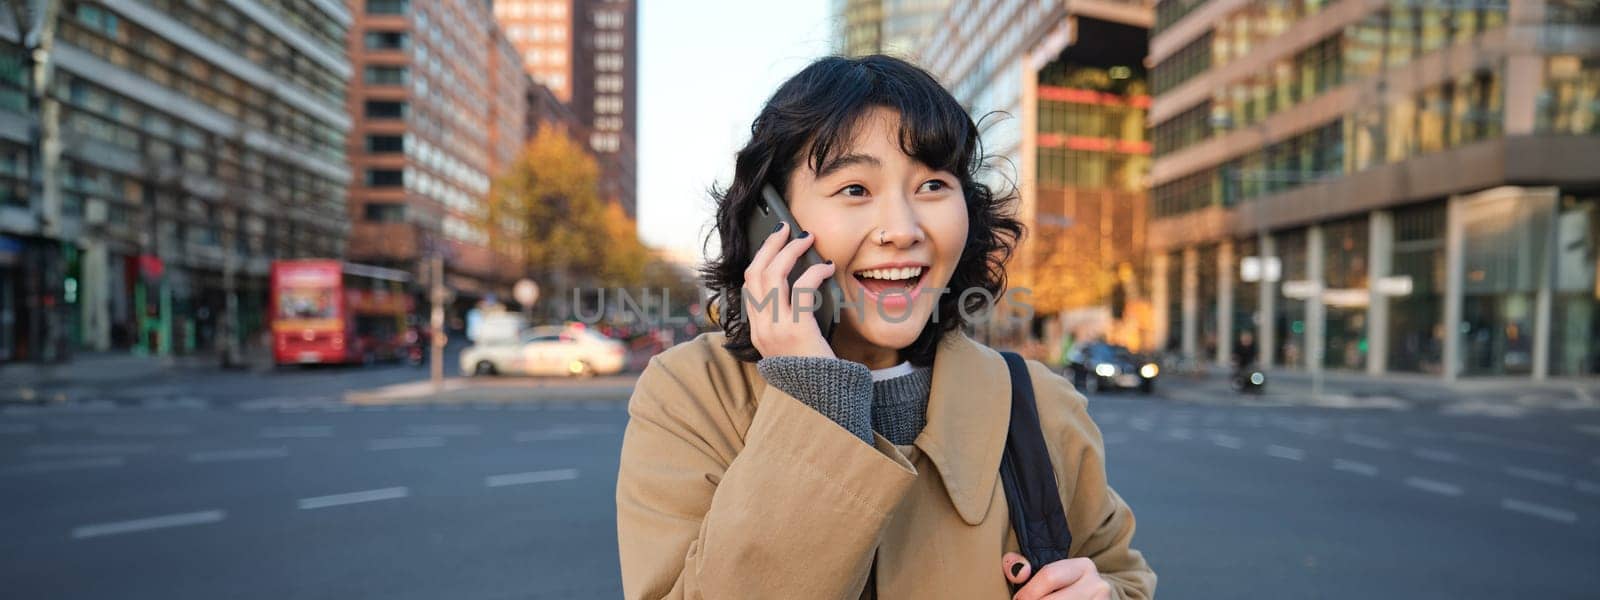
{"x": 775, "y": 328}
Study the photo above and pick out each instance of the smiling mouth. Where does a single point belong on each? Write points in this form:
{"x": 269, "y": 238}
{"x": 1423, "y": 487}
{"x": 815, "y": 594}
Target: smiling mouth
{"x": 880, "y": 281}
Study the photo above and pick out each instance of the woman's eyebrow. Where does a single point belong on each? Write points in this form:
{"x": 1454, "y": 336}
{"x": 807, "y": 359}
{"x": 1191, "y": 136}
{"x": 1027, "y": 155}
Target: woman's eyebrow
{"x": 847, "y": 160}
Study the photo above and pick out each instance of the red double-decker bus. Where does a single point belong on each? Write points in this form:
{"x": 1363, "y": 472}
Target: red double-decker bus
{"x": 333, "y": 312}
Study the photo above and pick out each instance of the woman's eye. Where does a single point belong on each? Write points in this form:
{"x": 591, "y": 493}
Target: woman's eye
{"x": 933, "y": 185}
{"x": 854, "y": 189}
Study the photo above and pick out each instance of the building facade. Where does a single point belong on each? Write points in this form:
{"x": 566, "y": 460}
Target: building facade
{"x": 1379, "y": 186}
{"x": 155, "y": 156}
{"x": 893, "y": 27}
{"x": 1059, "y": 94}
{"x": 439, "y": 106}
{"x": 585, "y": 52}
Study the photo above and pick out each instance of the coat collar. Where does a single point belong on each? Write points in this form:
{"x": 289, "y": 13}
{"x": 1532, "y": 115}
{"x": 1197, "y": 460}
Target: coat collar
{"x": 969, "y": 413}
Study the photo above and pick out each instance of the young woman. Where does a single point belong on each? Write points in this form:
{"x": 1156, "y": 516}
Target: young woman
{"x": 765, "y": 461}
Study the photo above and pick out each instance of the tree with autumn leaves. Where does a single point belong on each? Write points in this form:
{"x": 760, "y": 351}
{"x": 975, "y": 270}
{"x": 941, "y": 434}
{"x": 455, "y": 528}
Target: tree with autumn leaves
{"x": 570, "y": 236}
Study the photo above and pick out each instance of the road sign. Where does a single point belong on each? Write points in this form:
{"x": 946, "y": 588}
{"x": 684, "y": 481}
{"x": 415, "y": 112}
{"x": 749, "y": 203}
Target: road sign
{"x": 526, "y": 292}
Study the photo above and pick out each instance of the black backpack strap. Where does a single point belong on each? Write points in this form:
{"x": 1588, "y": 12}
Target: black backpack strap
{"x": 1029, "y": 477}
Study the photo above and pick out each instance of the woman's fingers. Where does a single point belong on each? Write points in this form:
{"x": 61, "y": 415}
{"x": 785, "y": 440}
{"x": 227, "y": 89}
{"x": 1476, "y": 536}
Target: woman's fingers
{"x": 810, "y": 286}
{"x": 1074, "y": 578}
{"x": 775, "y": 328}
{"x": 777, "y": 270}
{"x": 1016, "y": 567}
{"x": 765, "y": 251}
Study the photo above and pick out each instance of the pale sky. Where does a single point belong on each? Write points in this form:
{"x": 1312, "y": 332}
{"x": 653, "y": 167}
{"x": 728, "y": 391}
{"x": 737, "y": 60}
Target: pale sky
{"x": 705, "y": 68}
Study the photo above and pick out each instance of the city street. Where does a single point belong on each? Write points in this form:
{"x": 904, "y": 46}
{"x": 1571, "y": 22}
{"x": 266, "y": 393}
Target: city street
{"x": 512, "y": 498}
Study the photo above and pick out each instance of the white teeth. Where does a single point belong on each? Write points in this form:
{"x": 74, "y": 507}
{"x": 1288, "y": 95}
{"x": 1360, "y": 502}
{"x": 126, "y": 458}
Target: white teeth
{"x": 891, "y": 274}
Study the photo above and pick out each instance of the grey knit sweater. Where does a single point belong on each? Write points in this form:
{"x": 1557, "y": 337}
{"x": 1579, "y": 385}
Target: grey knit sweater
{"x": 845, "y": 391}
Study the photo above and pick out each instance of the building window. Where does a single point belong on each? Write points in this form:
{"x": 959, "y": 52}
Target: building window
{"x": 385, "y": 212}
{"x": 385, "y": 109}
{"x": 385, "y": 143}
{"x": 385, "y": 178}
{"x": 388, "y": 40}
{"x": 384, "y": 75}
{"x": 388, "y": 7}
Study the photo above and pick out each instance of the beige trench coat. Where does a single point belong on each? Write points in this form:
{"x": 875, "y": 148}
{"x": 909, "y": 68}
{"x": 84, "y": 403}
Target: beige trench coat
{"x": 730, "y": 488}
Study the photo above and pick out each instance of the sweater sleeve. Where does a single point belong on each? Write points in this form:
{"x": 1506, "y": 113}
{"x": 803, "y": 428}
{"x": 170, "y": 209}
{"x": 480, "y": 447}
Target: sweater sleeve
{"x": 839, "y": 389}
{"x": 792, "y": 507}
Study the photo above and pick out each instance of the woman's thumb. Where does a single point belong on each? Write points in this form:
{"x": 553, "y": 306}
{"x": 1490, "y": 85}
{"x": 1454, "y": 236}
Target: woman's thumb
{"x": 1016, "y": 567}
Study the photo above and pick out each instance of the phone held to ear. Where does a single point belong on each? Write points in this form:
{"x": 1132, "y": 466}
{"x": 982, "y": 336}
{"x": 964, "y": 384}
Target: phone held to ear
{"x": 772, "y": 210}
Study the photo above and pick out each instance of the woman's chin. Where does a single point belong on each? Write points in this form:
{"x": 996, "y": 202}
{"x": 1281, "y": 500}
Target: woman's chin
{"x": 884, "y": 334}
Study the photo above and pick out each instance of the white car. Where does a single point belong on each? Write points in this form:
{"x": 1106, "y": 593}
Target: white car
{"x": 548, "y": 350}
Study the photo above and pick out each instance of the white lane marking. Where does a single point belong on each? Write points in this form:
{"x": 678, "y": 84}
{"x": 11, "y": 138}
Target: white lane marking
{"x": 148, "y": 523}
{"x": 530, "y": 477}
{"x": 444, "y": 430}
{"x": 1286, "y": 452}
{"x": 1587, "y": 487}
{"x": 1141, "y": 424}
{"x": 47, "y": 466}
{"x": 1437, "y": 455}
{"x": 389, "y": 493}
{"x": 18, "y": 428}
{"x": 1437, "y": 487}
{"x": 298, "y": 431}
{"x": 1537, "y": 475}
{"x": 85, "y": 449}
{"x": 211, "y": 456}
{"x": 1368, "y": 442}
{"x": 401, "y": 443}
{"x": 1227, "y": 441}
{"x": 1350, "y": 466}
{"x": 1539, "y": 510}
{"x": 151, "y": 429}
{"x": 1180, "y": 434}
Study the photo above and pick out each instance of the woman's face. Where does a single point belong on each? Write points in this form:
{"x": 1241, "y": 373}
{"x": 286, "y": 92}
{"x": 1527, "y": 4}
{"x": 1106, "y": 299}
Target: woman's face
{"x": 894, "y": 227}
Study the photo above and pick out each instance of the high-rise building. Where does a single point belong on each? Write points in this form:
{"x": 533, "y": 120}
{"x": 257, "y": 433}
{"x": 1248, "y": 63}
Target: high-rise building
{"x": 1380, "y": 186}
{"x": 1059, "y": 92}
{"x": 893, "y": 27}
{"x": 541, "y": 30}
{"x": 586, "y": 52}
{"x": 439, "y": 103}
{"x": 172, "y": 152}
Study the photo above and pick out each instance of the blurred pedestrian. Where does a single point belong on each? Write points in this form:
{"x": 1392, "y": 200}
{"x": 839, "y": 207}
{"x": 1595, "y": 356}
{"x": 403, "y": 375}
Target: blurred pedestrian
{"x": 767, "y": 461}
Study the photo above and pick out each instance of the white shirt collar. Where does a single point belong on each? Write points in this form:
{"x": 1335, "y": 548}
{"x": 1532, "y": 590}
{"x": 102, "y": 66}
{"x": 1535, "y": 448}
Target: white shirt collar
{"x": 903, "y": 368}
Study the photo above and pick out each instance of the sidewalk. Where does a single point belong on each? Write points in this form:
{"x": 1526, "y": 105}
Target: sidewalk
{"x": 42, "y": 382}
{"x": 456, "y": 390}
{"x": 1484, "y": 395}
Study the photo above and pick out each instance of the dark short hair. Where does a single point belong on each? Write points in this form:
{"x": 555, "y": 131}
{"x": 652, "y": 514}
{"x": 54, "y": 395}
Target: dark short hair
{"x": 819, "y": 108}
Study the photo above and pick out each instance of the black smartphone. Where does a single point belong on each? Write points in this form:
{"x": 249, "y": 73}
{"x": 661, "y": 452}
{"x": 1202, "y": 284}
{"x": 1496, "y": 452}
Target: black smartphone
{"x": 772, "y": 210}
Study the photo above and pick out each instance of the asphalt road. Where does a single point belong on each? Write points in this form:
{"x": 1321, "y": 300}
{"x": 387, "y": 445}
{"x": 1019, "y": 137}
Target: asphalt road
{"x": 515, "y": 500}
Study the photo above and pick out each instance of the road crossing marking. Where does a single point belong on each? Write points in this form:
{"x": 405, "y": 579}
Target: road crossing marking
{"x": 530, "y": 477}
{"x": 1539, "y": 510}
{"x": 1437, "y": 487}
{"x": 1350, "y": 466}
{"x": 389, "y": 493}
{"x": 210, "y": 456}
{"x": 148, "y": 523}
